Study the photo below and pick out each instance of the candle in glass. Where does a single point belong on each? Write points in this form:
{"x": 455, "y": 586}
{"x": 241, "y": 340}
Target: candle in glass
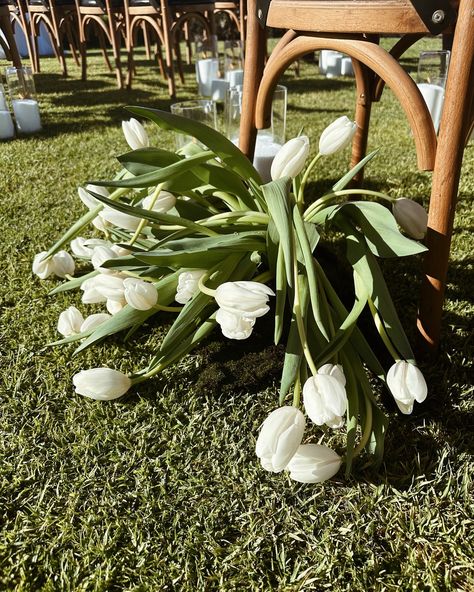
{"x": 7, "y": 129}
{"x": 3, "y": 102}
{"x": 23, "y": 97}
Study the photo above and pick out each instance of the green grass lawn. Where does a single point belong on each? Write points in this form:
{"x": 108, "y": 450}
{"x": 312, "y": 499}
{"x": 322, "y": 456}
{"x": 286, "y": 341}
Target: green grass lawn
{"x": 161, "y": 490}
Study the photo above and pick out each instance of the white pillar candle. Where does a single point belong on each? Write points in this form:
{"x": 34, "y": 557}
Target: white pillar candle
{"x": 206, "y": 71}
{"x": 27, "y": 115}
{"x": 218, "y": 89}
{"x": 7, "y": 129}
{"x": 434, "y": 99}
{"x": 333, "y": 64}
{"x": 265, "y": 152}
{"x": 3, "y": 103}
{"x": 235, "y": 77}
{"x": 346, "y": 67}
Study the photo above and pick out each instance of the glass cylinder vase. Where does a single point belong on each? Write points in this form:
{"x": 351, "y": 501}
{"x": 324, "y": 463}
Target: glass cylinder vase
{"x": 22, "y": 91}
{"x": 7, "y": 129}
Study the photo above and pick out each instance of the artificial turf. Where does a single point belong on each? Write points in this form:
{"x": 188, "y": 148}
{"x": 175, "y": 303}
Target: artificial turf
{"x": 161, "y": 490}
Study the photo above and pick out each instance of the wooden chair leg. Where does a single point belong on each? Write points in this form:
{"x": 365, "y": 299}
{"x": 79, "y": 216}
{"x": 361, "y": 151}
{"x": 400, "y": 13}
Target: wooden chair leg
{"x": 116, "y": 53}
{"x": 7, "y": 31}
{"x": 446, "y": 176}
{"x": 146, "y": 40}
{"x": 364, "y": 83}
{"x": 71, "y": 40}
{"x": 103, "y": 49}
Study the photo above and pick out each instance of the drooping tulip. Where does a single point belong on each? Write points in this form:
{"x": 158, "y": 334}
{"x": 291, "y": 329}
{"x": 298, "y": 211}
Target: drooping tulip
{"x": 135, "y": 134}
{"x": 407, "y": 385}
{"x": 101, "y": 384}
{"x": 43, "y": 266}
{"x": 244, "y": 297}
{"x": 115, "y": 306}
{"x": 103, "y": 287}
{"x": 93, "y": 321}
{"x": 139, "y": 294}
{"x": 314, "y": 463}
{"x": 164, "y": 202}
{"x": 188, "y": 285}
{"x": 83, "y": 247}
{"x": 70, "y": 321}
{"x": 100, "y": 255}
{"x": 337, "y": 135}
{"x": 120, "y": 219}
{"x": 335, "y": 370}
{"x": 235, "y": 326}
{"x": 411, "y": 216}
{"x": 63, "y": 264}
{"x": 280, "y": 437}
{"x": 89, "y": 200}
{"x": 290, "y": 159}
{"x": 325, "y": 400}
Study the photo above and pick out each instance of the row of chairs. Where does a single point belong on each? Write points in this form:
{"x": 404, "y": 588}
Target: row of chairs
{"x": 164, "y": 22}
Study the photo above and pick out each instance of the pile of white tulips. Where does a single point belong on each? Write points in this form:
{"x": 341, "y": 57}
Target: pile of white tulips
{"x": 196, "y": 233}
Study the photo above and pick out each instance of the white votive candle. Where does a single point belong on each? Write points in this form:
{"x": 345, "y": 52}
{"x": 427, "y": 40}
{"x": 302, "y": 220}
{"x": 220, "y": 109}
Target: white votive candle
{"x": 219, "y": 87}
{"x": 333, "y": 65}
{"x": 3, "y": 103}
{"x": 27, "y": 115}
{"x": 265, "y": 151}
{"x": 206, "y": 71}
{"x": 434, "y": 99}
{"x": 346, "y": 67}
{"x": 235, "y": 77}
{"x": 7, "y": 129}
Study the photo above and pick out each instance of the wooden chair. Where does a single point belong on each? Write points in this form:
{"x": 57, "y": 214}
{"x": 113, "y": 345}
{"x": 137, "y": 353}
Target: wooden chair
{"x": 20, "y": 20}
{"x": 58, "y": 16}
{"x": 108, "y": 18}
{"x": 7, "y": 41}
{"x": 166, "y": 19}
{"x": 236, "y": 12}
{"x": 353, "y": 27}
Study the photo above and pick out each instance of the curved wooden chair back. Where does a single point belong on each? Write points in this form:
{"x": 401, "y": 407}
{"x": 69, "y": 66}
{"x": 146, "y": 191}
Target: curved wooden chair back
{"x": 7, "y": 40}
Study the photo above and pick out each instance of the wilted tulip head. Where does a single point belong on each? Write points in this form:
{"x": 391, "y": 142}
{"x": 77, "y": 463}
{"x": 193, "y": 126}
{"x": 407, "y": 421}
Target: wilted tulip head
{"x": 411, "y": 217}
{"x": 314, "y": 463}
{"x": 337, "y": 135}
{"x": 407, "y": 385}
{"x": 101, "y": 384}
{"x": 290, "y": 159}
{"x": 325, "y": 400}
{"x": 139, "y": 294}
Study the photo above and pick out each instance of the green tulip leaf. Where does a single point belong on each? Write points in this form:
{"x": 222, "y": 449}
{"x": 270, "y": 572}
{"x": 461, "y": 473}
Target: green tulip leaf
{"x": 347, "y": 178}
{"x": 147, "y": 160}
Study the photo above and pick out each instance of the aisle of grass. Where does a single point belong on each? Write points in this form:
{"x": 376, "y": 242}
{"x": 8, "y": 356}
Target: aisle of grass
{"x": 161, "y": 490}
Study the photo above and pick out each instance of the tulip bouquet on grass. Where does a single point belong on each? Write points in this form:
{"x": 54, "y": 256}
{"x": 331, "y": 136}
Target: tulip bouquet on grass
{"x": 196, "y": 233}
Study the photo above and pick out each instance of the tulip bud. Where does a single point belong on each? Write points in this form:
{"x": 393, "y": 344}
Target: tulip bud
{"x": 63, "y": 264}
{"x": 43, "y": 266}
{"x": 279, "y": 438}
{"x": 135, "y": 134}
{"x": 120, "y": 219}
{"x": 188, "y": 285}
{"x": 411, "y": 217}
{"x": 93, "y": 321}
{"x": 325, "y": 400}
{"x": 335, "y": 370}
{"x": 290, "y": 159}
{"x": 244, "y": 298}
{"x": 70, "y": 321}
{"x": 163, "y": 203}
{"x": 337, "y": 135}
{"x": 314, "y": 463}
{"x": 140, "y": 294}
{"x": 407, "y": 385}
{"x": 101, "y": 384}
{"x": 234, "y": 326}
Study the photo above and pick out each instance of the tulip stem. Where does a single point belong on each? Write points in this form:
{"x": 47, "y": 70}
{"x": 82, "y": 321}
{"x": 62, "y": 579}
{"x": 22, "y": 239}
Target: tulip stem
{"x": 297, "y": 391}
{"x": 204, "y": 288}
{"x": 317, "y": 205}
{"x": 168, "y": 308}
{"x": 382, "y": 331}
{"x": 367, "y": 429}
{"x": 304, "y": 180}
{"x": 263, "y": 277}
{"x": 143, "y": 221}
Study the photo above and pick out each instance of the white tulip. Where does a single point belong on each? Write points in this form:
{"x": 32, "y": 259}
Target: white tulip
{"x": 279, "y": 438}
{"x": 100, "y": 255}
{"x": 91, "y": 294}
{"x": 101, "y": 224}
{"x": 83, "y": 247}
{"x": 103, "y": 287}
{"x": 244, "y": 298}
{"x": 120, "y": 219}
{"x": 290, "y": 159}
{"x": 314, "y": 463}
{"x": 234, "y": 325}
{"x": 89, "y": 200}
{"x": 337, "y": 135}
{"x": 63, "y": 264}
{"x": 70, "y": 321}
{"x": 43, "y": 266}
{"x": 120, "y": 251}
{"x": 411, "y": 216}
{"x": 335, "y": 370}
{"x": 407, "y": 385}
{"x": 188, "y": 285}
{"x": 115, "y": 306}
{"x": 325, "y": 400}
{"x": 140, "y": 294}
{"x": 135, "y": 134}
{"x": 93, "y": 321}
{"x": 101, "y": 384}
{"x": 163, "y": 203}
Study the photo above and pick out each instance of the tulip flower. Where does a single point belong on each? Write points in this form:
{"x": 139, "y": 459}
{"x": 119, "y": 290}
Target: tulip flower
{"x": 407, "y": 385}
{"x": 63, "y": 264}
{"x": 83, "y": 247}
{"x": 93, "y": 321}
{"x": 325, "y": 400}
{"x": 140, "y": 294}
{"x": 337, "y": 135}
{"x": 290, "y": 159}
{"x": 100, "y": 255}
{"x": 411, "y": 217}
{"x": 70, "y": 321}
{"x": 89, "y": 200}
{"x": 103, "y": 287}
{"x": 164, "y": 202}
{"x": 279, "y": 438}
{"x": 120, "y": 251}
{"x": 335, "y": 370}
{"x": 188, "y": 285}
{"x": 120, "y": 219}
{"x": 101, "y": 384}
{"x": 115, "y": 306}
{"x": 234, "y": 326}
{"x": 314, "y": 463}
{"x": 135, "y": 134}
{"x": 43, "y": 266}
{"x": 244, "y": 298}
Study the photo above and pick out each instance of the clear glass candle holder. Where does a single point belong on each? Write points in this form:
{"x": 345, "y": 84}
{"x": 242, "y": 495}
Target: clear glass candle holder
{"x": 234, "y": 62}
{"x": 201, "y": 110}
{"x": 22, "y": 92}
{"x": 7, "y": 129}
{"x": 431, "y": 80}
